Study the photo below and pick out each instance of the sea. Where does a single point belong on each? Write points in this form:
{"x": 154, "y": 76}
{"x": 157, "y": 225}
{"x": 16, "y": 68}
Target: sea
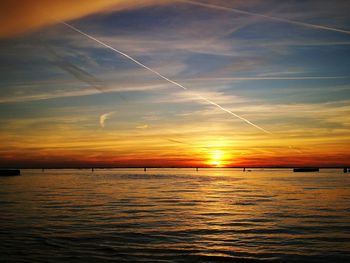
{"x": 175, "y": 215}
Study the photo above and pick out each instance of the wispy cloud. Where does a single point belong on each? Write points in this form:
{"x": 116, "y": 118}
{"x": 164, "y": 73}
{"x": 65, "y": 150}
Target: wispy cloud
{"x": 143, "y": 126}
{"x": 104, "y": 117}
{"x": 76, "y": 91}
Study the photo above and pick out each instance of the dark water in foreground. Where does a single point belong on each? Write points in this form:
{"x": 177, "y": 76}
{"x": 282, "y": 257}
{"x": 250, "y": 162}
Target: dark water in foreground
{"x": 174, "y": 215}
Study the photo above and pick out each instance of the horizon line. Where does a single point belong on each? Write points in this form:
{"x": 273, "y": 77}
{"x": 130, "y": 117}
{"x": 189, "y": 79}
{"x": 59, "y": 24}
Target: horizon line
{"x": 179, "y": 167}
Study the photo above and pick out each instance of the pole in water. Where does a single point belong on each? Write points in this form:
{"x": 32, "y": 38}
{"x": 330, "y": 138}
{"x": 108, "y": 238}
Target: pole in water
{"x": 92, "y": 169}
{"x": 197, "y": 169}
{"x": 244, "y": 169}
{"x": 145, "y": 169}
{"x": 345, "y": 169}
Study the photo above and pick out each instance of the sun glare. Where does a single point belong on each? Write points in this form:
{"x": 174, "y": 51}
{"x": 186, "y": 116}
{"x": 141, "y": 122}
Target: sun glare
{"x": 216, "y": 158}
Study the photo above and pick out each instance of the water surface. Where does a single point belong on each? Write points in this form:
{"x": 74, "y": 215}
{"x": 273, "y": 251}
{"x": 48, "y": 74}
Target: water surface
{"x": 174, "y": 215}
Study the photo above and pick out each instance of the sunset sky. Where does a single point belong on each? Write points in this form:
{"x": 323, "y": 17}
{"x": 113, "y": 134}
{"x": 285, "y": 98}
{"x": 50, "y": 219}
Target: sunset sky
{"x": 282, "y": 67}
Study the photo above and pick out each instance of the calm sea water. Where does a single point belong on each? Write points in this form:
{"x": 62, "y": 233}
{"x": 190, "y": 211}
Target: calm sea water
{"x": 174, "y": 215}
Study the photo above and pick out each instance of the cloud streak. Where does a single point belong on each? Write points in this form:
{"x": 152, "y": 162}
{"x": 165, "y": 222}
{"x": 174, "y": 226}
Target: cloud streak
{"x": 143, "y": 126}
{"x": 269, "y": 17}
{"x": 165, "y": 78}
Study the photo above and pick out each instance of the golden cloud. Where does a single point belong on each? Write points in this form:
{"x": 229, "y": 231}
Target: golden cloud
{"x": 22, "y": 16}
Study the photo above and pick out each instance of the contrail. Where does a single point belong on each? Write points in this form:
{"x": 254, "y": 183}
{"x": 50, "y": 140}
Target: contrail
{"x": 165, "y": 78}
{"x": 239, "y": 11}
{"x": 267, "y": 78}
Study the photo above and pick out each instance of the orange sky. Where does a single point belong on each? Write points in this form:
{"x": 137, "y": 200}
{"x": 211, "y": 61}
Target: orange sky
{"x": 19, "y": 16}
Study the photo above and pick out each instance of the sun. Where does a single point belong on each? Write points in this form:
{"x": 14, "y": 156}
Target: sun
{"x": 216, "y": 158}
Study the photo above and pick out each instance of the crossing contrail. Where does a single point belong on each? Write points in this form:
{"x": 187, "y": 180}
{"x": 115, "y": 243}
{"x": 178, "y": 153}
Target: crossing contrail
{"x": 163, "y": 77}
{"x": 285, "y": 20}
{"x": 74, "y": 70}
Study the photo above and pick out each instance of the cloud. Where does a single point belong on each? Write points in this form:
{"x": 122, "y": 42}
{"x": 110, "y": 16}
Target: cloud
{"x": 104, "y": 117}
{"x": 19, "y": 17}
{"x": 144, "y": 126}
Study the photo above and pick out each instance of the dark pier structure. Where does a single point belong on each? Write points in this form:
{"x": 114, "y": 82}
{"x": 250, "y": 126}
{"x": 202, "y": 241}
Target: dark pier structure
{"x": 303, "y": 170}
{"x": 10, "y": 172}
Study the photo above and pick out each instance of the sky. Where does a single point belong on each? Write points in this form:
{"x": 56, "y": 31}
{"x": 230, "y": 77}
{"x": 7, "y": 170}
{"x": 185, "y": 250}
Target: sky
{"x": 174, "y": 83}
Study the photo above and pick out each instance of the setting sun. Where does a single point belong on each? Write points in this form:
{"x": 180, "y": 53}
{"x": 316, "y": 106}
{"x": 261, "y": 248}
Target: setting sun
{"x": 216, "y": 158}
